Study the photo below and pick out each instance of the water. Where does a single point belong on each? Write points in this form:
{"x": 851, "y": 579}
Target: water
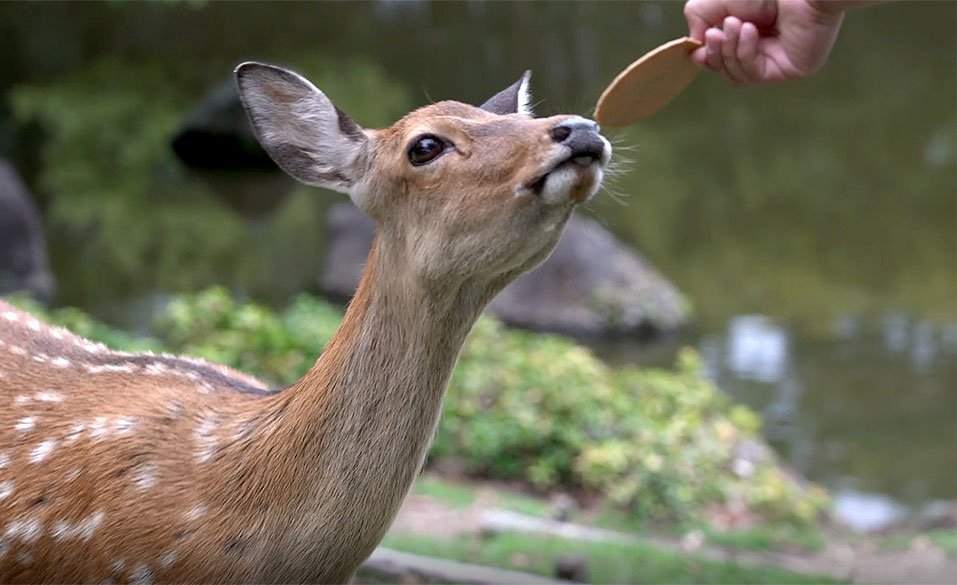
{"x": 813, "y": 225}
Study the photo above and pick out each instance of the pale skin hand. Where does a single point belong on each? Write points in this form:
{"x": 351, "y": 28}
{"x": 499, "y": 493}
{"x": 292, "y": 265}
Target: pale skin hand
{"x": 764, "y": 41}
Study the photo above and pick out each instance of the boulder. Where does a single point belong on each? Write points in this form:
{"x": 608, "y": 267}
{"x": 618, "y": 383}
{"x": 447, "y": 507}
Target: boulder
{"x": 592, "y": 285}
{"x": 23, "y": 252}
{"x": 216, "y": 142}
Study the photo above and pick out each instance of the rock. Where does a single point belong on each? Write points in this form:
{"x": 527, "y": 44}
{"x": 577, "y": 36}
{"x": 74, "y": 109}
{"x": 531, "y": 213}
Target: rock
{"x": 216, "y": 142}
{"x": 572, "y": 567}
{"x": 23, "y": 251}
{"x": 591, "y": 285}
{"x": 389, "y": 566}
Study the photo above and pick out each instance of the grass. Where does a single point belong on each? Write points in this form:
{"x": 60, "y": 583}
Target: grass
{"x": 457, "y": 496}
{"x": 766, "y": 537}
{"x": 523, "y": 504}
{"x": 607, "y": 562}
{"x": 453, "y": 495}
{"x": 946, "y": 540}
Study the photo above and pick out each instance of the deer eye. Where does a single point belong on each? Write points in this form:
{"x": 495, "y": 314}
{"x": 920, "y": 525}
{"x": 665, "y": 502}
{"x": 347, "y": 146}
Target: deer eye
{"x": 425, "y": 149}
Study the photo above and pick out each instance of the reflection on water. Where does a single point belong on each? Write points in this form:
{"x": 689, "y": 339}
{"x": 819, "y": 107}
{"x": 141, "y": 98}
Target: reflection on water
{"x": 757, "y": 349}
{"x": 866, "y": 512}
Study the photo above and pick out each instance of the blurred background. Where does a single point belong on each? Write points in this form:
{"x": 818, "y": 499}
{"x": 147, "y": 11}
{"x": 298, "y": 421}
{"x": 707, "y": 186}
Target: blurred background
{"x": 811, "y": 227}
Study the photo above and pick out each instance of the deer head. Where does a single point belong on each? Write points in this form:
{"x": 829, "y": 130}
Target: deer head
{"x": 459, "y": 192}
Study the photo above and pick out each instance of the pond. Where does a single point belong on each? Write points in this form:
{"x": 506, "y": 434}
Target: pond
{"x": 812, "y": 225}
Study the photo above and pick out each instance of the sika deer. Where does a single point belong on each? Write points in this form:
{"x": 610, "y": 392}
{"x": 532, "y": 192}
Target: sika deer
{"x": 120, "y": 467}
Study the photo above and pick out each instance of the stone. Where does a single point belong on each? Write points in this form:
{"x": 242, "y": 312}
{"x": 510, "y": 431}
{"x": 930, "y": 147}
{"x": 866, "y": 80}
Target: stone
{"x": 216, "y": 142}
{"x": 24, "y": 266}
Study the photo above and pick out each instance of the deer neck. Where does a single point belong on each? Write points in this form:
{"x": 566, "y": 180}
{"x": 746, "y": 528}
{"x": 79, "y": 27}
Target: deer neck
{"x": 366, "y": 412}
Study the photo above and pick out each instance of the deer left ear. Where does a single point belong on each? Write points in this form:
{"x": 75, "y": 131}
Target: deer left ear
{"x": 515, "y": 99}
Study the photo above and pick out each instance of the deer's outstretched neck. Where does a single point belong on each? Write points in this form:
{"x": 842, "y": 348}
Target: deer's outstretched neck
{"x": 366, "y": 412}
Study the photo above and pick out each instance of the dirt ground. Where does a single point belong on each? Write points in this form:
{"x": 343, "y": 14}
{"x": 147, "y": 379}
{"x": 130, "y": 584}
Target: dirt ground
{"x": 864, "y": 561}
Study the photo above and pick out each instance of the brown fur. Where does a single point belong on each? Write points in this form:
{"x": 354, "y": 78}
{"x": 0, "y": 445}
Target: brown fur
{"x": 138, "y": 468}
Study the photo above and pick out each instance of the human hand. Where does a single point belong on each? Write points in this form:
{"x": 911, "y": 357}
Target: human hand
{"x": 763, "y": 41}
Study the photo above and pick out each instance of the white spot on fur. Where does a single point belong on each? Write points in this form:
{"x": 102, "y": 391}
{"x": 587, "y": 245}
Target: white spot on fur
{"x": 33, "y": 324}
{"x": 11, "y": 316}
{"x": 42, "y": 450}
{"x": 175, "y": 410}
{"x": 25, "y": 424}
{"x": 141, "y": 575}
{"x": 41, "y": 357}
{"x": 98, "y": 428}
{"x": 88, "y": 526}
{"x": 145, "y": 476}
{"x": 61, "y": 362}
{"x": 166, "y": 561}
{"x": 156, "y": 369}
{"x": 83, "y": 529}
{"x": 48, "y": 396}
{"x": 75, "y": 432}
{"x": 4, "y": 459}
{"x": 6, "y": 489}
{"x": 125, "y": 368}
{"x": 72, "y": 474}
{"x": 17, "y": 350}
{"x": 89, "y": 346}
{"x": 195, "y": 513}
{"x": 118, "y": 565}
{"x": 57, "y": 333}
{"x": 205, "y": 439}
{"x": 61, "y": 530}
{"x": 21, "y": 400}
{"x": 26, "y": 529}
{"x": 124, "y": 425}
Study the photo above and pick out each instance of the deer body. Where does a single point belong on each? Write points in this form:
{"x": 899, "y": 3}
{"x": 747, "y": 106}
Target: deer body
{"x": 140, "y": 468}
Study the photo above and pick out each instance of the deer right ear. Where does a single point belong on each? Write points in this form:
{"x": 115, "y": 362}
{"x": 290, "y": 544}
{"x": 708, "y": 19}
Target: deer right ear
{"x": 514, "y": 99}
{"x": 302, "y": 130}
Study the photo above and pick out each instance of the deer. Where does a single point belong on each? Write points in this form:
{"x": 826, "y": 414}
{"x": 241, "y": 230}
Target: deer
{"x": 142, "y": 468}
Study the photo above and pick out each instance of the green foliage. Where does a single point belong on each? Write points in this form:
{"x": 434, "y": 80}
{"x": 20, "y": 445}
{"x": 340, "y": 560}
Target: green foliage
{"x": 250, "y": 337}
{"x": 538, "y": 408}
{"x": 659, "y": 443}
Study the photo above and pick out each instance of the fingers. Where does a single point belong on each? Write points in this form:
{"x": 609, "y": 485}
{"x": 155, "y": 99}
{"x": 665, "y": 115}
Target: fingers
{"x": 732, "y": 51}
{"x": 700, "y": 15}
{"x": 713, "y": 56}
{"x": 729, "y": 52}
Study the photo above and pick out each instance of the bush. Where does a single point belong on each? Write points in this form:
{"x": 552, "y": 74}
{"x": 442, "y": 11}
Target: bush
{"x": 660, "y": 444}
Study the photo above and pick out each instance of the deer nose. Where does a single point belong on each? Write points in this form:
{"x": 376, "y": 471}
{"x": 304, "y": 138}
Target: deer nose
{"x": 581, "y": 136}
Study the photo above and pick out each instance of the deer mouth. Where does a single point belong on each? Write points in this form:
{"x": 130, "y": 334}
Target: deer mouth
{"x": 578, "y": 174}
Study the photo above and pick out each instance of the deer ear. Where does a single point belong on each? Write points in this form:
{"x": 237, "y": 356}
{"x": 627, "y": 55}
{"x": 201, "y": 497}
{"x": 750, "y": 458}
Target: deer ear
{"x": 515, "y": 99}
{"x": 302, "y": 130}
